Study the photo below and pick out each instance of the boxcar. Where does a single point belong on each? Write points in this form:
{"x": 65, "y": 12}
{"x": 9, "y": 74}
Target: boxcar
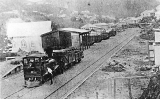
{"x": 79, "y": 37}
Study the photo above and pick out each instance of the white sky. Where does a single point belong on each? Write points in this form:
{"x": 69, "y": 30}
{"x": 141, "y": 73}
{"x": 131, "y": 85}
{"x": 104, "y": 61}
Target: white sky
{"x": 158, "y": 0}
{"x": 34, "y": 0}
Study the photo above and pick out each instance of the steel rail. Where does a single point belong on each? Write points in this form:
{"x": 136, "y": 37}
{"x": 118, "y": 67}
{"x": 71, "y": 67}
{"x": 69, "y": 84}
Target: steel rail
{"x": 82, "y": 81}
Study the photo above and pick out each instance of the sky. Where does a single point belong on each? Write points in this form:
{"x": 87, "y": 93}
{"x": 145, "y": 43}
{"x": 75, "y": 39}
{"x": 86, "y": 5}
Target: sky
{"x": 34, "y": 0}
{"x": 158, "y": 0}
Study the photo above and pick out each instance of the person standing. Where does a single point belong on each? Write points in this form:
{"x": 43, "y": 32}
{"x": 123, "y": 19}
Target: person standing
{"x": 49, "y": 66}
{"x": 49, "y": 70}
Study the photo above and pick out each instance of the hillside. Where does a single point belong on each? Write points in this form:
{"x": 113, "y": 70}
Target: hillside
{"x": 117, "y": 8}
{"x": 60, "y": 11}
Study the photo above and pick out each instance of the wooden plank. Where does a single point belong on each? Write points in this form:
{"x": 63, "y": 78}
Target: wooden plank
{"x": 12, "y": 70}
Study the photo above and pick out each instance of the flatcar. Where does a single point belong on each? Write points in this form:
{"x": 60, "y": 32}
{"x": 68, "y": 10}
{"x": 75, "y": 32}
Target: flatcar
{"x": 34, "y": 65}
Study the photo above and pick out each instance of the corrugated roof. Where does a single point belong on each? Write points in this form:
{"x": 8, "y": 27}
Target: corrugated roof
{"x": 36, "y": 55}
{"x": 28, "y": 28}
{"x": 73, "y": 30}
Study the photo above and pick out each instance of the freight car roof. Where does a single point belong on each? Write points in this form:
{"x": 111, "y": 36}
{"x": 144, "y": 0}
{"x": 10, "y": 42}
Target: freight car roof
{"x": 49, "y": 33}
{"x": 36, "y": 55}
{"x": 74, "y": 30}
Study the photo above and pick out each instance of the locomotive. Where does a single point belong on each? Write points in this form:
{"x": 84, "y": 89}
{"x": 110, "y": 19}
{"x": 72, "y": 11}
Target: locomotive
{"x": 64, "y": 46}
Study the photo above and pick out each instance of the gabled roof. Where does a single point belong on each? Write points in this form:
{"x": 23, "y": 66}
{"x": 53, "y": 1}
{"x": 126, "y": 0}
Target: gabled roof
{"x": 28, "y": 28}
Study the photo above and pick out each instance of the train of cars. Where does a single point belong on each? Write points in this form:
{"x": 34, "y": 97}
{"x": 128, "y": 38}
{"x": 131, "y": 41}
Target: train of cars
{"x": 64, "y": 47}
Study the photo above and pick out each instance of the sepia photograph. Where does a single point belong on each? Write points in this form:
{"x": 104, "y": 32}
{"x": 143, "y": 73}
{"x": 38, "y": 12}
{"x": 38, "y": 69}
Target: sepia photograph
{"x": 79, "y": 49}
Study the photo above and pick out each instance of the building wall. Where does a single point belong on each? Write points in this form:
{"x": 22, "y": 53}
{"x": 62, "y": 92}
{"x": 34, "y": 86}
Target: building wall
{"x": 75, "y": 40}
{"x": 157, "y": 54}
{"x": 157, "y": 48}
{"x": 148, "y": 13}
{"x": 157, "y": 15}
{"x": 27, "y": 44}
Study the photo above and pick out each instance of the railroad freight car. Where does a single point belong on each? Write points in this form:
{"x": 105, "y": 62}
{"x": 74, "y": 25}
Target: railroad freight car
{"x": 109, "y": 29}
{"x": 63, "y": 48}
{"x": 80, "y": 38}
{"x": 96, "y": 32}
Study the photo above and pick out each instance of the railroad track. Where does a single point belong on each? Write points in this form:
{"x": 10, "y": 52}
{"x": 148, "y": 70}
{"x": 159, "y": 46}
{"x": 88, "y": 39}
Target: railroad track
{"x": 97, "y": 48}
{"x": 102, "y": 59}
{"x": 23, "y": 91}
{"x": 19, "y": 74}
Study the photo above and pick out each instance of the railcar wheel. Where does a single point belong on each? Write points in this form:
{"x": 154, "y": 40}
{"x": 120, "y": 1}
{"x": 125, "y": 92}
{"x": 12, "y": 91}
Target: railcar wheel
{"x": 59, "y": 71}
{"x": 70, "y": 64}
{"x": 79, "y": 60}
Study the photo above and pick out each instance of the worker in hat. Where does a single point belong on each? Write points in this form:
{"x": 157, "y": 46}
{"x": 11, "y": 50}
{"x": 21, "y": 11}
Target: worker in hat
{"x": 49, "y": 66}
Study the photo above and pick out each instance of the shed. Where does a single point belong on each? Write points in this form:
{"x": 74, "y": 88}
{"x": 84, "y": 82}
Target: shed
{"x": 26, "y": 36}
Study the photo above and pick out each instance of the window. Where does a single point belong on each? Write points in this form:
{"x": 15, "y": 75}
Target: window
{"x": 36, "y": 59}
{"x": 25, "y": 61}
{"x": 23, "y": 44}
{"x": 31, "y": 60}
{"x": 32, "y": 44}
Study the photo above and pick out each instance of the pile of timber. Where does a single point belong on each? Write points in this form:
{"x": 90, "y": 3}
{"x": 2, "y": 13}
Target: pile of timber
{"x": 153, "y": 89}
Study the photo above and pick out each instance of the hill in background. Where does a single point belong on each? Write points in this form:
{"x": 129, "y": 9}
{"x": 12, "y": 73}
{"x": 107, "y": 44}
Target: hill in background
{"x": 60, "y": 11}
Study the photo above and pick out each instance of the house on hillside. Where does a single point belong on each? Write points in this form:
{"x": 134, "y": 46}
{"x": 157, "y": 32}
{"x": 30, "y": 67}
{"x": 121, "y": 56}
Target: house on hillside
{"x": 26, "y": 36}
{"x": 158, "y": 8}
{"x": 148, "y": 13}
{"x": 132, "y": 20}
{"x": 157, "y": 14}
{"x": 93, "y": 20}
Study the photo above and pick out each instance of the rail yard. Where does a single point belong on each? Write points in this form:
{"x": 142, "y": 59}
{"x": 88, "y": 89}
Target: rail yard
{"x": 73, "y": 77}
{"x": 65, "y": 50}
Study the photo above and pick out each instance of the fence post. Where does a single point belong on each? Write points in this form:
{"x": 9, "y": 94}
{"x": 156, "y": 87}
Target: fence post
{"x": 129, "y": 87}
{"x": 96, "y": 95}
{"x": 148, "y": 52}
{"x": 114, "y": 88}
